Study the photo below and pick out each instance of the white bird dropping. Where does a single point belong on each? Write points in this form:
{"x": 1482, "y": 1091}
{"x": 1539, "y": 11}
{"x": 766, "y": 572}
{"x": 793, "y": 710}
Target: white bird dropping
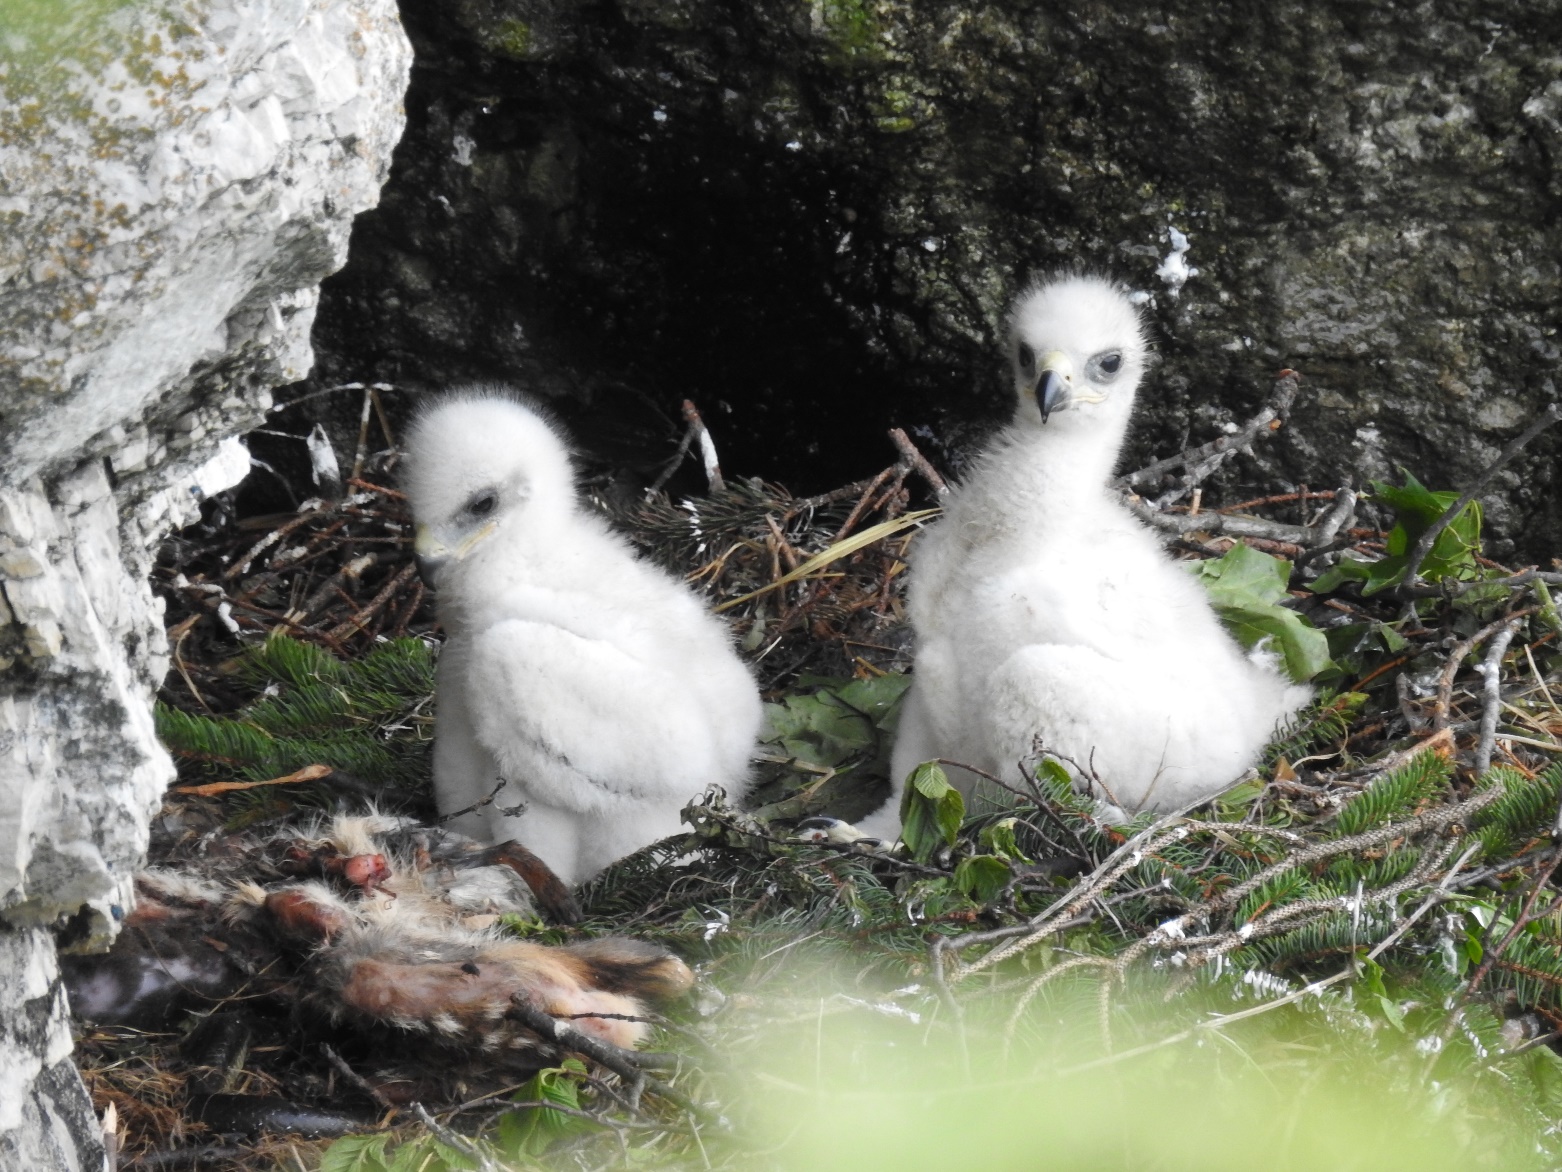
{"x": 1047, "y": 616}
{"x": 594, "y": 685}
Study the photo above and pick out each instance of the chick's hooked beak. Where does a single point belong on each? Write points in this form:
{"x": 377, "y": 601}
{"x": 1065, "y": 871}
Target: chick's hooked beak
{"x": 429, "y": 553}
{"x": 1054, "y": 384}
{"x": 432, "y": 553}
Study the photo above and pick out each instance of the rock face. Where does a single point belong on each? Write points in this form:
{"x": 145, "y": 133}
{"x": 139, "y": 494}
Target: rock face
{"x": 813, "y": 212}
{"x": 174, "y": 181}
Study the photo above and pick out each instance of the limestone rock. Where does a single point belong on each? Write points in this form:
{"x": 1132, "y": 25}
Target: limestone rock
{"x": 175, "y": 179}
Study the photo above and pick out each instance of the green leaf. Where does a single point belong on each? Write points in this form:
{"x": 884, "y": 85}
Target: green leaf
{"x": 839, "y": 724}
{"x": 1393, "y": 641}
{"x": 998, "y": 839}
{"x": 1415, "y": 508}
{"x": 1054, "y": 779}
{"x": 1548, "y": 607}
{"x": 1391, "y": 1011}
{"x": 532, "y": 1131}
{"x": 931, "y": 811}
{"x": 427, "y": 1154}
{"x": 981, "y": 877}
{"x": 356, "y": 1153}
{"x": 1372, "y": 977}
{"x": 1245, "y": 586}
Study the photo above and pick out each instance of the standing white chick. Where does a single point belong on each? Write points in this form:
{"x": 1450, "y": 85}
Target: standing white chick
{"x": 1047, "y": 616}
{"x": 595, "y": 685}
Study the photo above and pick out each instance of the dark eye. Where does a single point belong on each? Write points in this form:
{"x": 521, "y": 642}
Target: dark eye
{"x": 484, "y": 504}
{"x": 1111, "y": 363}
{"x": 1027, "y": 357}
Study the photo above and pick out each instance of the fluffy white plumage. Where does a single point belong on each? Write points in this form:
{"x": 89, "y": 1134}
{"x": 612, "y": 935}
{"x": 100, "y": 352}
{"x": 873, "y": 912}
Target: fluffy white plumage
{"x": 1048, "y": 616}
{"x": 596, "y": 685}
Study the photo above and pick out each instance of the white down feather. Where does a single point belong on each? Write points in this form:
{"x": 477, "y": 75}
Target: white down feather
{"x": 594, "y": 684}
{"x": 1048, "y": 617}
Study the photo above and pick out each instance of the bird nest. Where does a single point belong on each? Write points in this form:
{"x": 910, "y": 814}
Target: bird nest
{"x": 1391, "y": 860}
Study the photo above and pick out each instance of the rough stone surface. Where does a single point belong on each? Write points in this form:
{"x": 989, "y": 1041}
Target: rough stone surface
{"x": 174, "y": 180}
{"x": 814, "y": 212}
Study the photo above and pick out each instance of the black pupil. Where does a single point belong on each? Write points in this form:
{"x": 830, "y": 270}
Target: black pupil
{"x": 1027, "y": 356}
{"x": 1112, "y": 363}
{"x": 483, "y": 505}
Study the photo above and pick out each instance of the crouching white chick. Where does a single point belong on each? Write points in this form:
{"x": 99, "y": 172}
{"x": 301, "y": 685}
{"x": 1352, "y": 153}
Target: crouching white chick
{"x": 1048, "y": 617}
{"x": 593, "y": 685}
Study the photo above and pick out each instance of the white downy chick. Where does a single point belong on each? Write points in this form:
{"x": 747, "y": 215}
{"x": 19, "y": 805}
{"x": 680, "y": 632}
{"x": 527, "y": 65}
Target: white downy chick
{"x": 1047, "y": 616}
{"x": 595, "y": 685}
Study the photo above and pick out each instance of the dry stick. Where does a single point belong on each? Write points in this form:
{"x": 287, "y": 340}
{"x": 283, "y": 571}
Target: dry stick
{"x": 1338, "y": 517}
{"x": 477, "y": 805}
{"x": 370, "y": 486}
{"x": 1289, "y": 917}
{"x": 1423, "y": 545}
{"x": 357, "y": 1079}
{"x": 624, "y": 1063}
{"x": 916, "y": 460}
{"x": 453, "y": 1140}
{"x": 675, "y": 463}
{"x": 266, "y": 542}
{"x": 845, "y": 492}
{"x": 363, "y": 434}
{"x": 1492, "y": 700}
{"x": 1277, "y": 499}
{"x": 1314, "y": 987}
{"x": 861, "y": 507}
{"x": 1459, "y": 589}
{"x": 1223, "y": 447}
{"x": 379, "y": 413}
{"x": 713, "y": 476}
{"x": 1525, "y": 918}
{"x": 1090, "y": 887}
{"x": 376, "y": 604}
{"x": 1445, "y": 682}
{"x": 1221, "y": 524}
{"x": 1125, "y": 857}
{"x": 351, "y": 572}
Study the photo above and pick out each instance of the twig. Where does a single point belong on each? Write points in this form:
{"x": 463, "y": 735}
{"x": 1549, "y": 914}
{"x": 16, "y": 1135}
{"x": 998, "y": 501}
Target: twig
{"x": 370, "y": 486}
{"x": 242, "y": 564}
{"x": 707, "y": 446}
{"x": 1524, "y": 919}
{"x": 1226, "y": 524}
{"x": 362, "y": 449}
{"x": 1315, "y": 987}
{"x": 1423, "y": 544}
{"x": 1446, "y": 589}
{"x": 357, "y": 1079}
{"x": 917, "y": 461}
{"x": 1445, "y": 683}
{"x": 851, "y": 518}
{"x": 453, "y": 1140}
{"x": 477, "y": 805}
{"x": 1207, "y": 457}
{"x": 1491, "y": 668}
{"x": 1143, "y": 845}
{"x": 625, "y": 1063}
{"x": 376, "y": 604}
{"x": 1533, "y": 1043}
{"x": 1338, "y": 517}
{"x": 672, "y": 465}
